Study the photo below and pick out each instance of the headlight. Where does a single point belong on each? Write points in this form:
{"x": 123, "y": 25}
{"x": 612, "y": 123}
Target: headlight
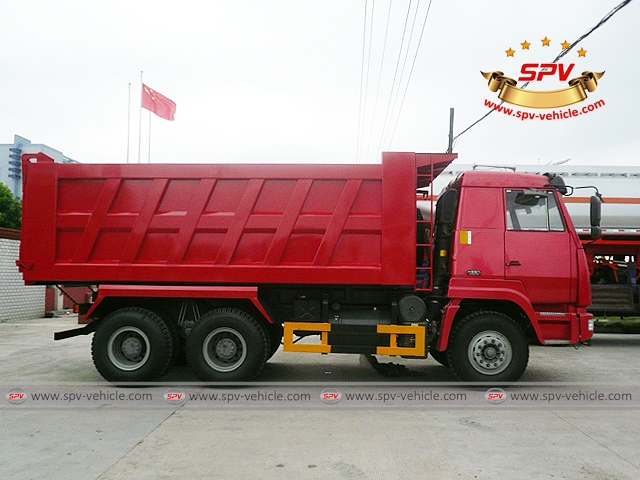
{"x": 590, "y": 327}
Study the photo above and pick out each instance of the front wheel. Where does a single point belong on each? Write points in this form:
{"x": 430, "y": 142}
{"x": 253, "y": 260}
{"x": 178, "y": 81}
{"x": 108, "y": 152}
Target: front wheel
{"x": 227, "y": 345}
{"x": 487, "y": 347}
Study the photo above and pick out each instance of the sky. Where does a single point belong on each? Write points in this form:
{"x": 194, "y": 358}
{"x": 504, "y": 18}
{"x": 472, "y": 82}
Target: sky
{"x": 299, "y": 81}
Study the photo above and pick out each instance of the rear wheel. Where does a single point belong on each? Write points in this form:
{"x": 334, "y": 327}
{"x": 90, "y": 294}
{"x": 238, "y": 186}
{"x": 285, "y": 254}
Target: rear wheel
{"x": 227, "y": 345}
{"x": 132, "y": 345}
{"x": 488, "y": 346}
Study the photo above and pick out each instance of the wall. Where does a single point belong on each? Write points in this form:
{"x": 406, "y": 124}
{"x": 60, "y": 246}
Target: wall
{"x": 17, "y": 302}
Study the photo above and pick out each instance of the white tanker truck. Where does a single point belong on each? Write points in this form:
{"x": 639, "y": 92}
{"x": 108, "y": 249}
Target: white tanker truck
{"x": 613, "y": 257}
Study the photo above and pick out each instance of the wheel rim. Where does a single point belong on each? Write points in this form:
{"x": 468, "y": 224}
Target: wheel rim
{"x": 128, "y": 348}
{"x": 490, "y": 352}
{"x": 224, "y": 349}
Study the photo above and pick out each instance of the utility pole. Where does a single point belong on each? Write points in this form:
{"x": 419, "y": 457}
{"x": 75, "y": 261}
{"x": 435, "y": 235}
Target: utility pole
{"x": 450, "y": 149}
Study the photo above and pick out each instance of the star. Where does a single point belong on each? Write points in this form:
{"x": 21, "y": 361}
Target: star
{"x": 525, "y": 45}
{"x": 510, "y": 52}
{"x": 565, "y": 45}
{"x": 582, "y": 52}
{"x": 546, "y": 42}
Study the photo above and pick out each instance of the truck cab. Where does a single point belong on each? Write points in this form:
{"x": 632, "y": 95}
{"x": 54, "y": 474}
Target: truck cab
{"x": 510, "y": 250}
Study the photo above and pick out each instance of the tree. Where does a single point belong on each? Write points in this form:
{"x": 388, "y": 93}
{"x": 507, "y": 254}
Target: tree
{"x": 10, "y": 209}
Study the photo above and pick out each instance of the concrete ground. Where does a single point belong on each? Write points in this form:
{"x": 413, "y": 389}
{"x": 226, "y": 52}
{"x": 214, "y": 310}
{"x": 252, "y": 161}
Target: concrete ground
{"x": 105, "y": 440}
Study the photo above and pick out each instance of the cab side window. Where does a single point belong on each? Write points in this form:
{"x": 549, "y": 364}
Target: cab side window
{"x": 533, "y": 210}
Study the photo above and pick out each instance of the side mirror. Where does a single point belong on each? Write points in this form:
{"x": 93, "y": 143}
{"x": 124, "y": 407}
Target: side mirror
{"x": 558, "y": 182}
{"x": 595, "y": 216}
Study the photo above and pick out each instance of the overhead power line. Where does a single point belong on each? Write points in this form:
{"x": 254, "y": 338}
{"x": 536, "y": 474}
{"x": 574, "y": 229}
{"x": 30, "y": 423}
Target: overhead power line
{"x": 364, "y": 84}
{"x": 413, "y": 64}
{"x": 374, "y": 132}
{"x": 395, "y": 75}
{"x": 562, "y": 54}
{"x": 384, "y": 49}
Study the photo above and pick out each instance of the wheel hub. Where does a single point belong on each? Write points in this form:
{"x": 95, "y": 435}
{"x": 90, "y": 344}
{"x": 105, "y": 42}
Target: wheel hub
{"x": 226, "y": 349}
{"x": 131, "y": 348}
{"x": 128, "y": 348}
{"x": 490, "y": 352}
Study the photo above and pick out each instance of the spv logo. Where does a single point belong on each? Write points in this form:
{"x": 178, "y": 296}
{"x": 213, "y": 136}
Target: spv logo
{"x": 578, "y": 85}
{"x": 330, "y": 396}
{"x": 174, "y": 397}
{"x": 529, "y": 71}
{"x": 16, "y": 396}
{"x": 495, "y": 396}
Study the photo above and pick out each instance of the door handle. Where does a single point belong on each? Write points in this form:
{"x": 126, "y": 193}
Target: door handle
{"x": 514, "y": 263}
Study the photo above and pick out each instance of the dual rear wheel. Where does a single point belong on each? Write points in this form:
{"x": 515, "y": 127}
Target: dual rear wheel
{"x": 226, "y": 344}
{"x": 132, "y": 345}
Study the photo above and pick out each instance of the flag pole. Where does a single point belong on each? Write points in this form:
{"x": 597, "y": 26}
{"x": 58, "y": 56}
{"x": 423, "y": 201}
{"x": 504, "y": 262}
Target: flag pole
{"x": 149, "y": 158}
{"x": 140, "y": 119}
{"x": 128, "y": 122}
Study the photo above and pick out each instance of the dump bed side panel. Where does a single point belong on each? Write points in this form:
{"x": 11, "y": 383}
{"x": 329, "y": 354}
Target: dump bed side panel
{"x": 219, "y": 224}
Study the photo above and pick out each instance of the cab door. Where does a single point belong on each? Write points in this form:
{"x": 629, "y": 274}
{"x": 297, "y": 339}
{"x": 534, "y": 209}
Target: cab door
{"x": 538, "y": 247}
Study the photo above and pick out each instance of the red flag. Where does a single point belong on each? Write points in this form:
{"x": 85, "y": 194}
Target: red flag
{"x": 157, "y": 103}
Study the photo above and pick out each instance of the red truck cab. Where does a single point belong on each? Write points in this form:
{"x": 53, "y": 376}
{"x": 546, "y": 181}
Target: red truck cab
{"x": 515, "y": 258}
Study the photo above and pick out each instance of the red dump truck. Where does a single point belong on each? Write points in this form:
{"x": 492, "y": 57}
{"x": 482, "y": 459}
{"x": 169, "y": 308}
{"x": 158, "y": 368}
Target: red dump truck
{"x": 226, "y": 262}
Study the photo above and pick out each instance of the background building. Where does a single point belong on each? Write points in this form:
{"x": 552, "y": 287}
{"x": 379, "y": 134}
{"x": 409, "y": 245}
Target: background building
{"x": 10, "y": 161}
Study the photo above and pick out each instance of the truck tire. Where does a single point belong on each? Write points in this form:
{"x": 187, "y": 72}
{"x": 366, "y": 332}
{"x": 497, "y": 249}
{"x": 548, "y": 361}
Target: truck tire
{"x": 274, "y": 331}
{"x": 132, "y": 345}
{"x": 227, "y": 345}
{"x": 488, "y": 347}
